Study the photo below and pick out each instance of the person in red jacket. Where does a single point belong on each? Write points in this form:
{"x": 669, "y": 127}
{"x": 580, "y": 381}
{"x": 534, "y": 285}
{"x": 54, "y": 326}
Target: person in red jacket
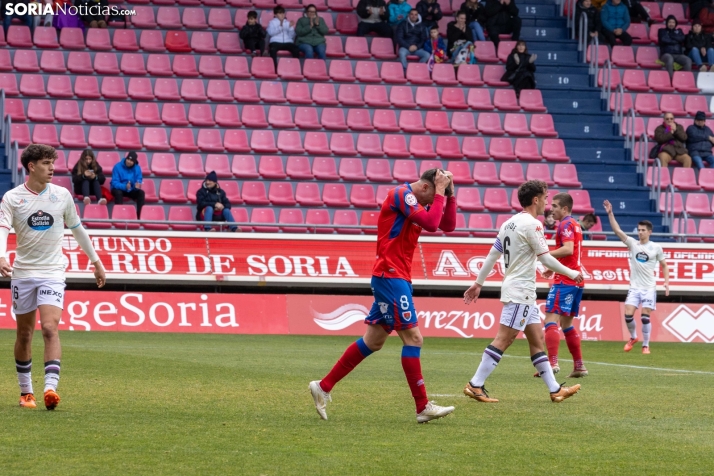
{"x": 706, "y": 17}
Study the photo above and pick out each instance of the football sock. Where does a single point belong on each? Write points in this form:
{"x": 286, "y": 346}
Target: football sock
{"x": 490, "y": 359}
{"x": 646, "y": 330}
{"x": 572, "y": 338}
{"x": 24, "y": 376}
{"x": 552, "y": 342}
{"x": 52, "y": 370}
{"x": 540, "y": 362}
{"x": 631, "y": 326}
{"x": 355, "y": 353}
{"x": 411, "y": 363}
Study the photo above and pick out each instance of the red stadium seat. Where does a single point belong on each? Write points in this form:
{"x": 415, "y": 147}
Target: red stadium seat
{"x": 566, "y": 175}
{"x": 659, "y": 81}
{"x": 341, "y": 70}
{"x": 581, "y": 201}
{"x": 46, "y": 134}
{"x": 474, "y": 148}
{"x": 98, "y": 39}
{"x": 61, "y": 87}
{"x": 421, "y": 146}
{"x": 496, "y": 200}
{"x": 281, "y": 194}
{"x": 418, "y": 73}
{"x": 68, "y": 110}
{"x": 448, "y": 147}
{"x": 369, "y": 145}
{"x": 405, "y": 171}
{"x": 367, "y": 72}
{"x": 437, "y": 122}
{"x": 410, "y": 121}
{"x": 334, "y": 47}
{"x": 306, "y": 118}
{"x": 15, "y": 108}
{"x": 307, "y": 194}
{"x": 71, "y": 137}
{"x": 485, "y": 52}
{"x": 50, "y": 62}
{"x": 512, "y": 174}
{"x": 21, "y": 134}
{"x": 40, "y": 110}
{"x": 392, "y": 73}
{"x": 698, "y": 204}
{"x": 101, "y": 138}
{"x": 201, "y": 115}
{"x": 501, "y": 148}
{"x": 26, "y": 61}
{"x": 554, "y": 150}
{"x": 315, "y": 70}
{"x": 395, "y": 146}
{"x": 254, "y": 116}
{"x": 469, "y": 75}
{"x": 289, "y": 69}
{"x": 271, "y": 167}
{"x": 72, "y": 38}
{"x": 340, "y": 144}
{"x": 531, "y": 100}
{"x": 490, "y": 123}
{"x": 335, "y": 195}
{"x": 485, "y": 173}
{"x": 244, "y": 166}
{"x": 684, "y": 179}
{"x": 400, "y": 96}
{"x": 461, "y": 171}
{"x": 33, "y": 85}
{"x": 481, "y": 221}
{"x": 614, "y": 78}
{"x": 292, "y": 217}
{"x": 463, "y": 123}
{"x": 683, "y": 82}
{"x": 191, "y": 165}
{"x": 172, "y": 191}
{"x": 272, "y": 91}
{"x": 634, "y": 80}
{"x": 527, "y": 149}
{"x": 480, "y": 99}
{"x": 237, "y": 67}
{"x": 673, "y": 103}
{"x": 639, "y": 34}
{"x": 19, "y": 36}
{"x": 706, "y": 227}
{"x": 505, "y": 100}
{"x": 383, "y": 49}
{"x": 347, "y": 218}
{"x": 105, "y": 63}
{"x": 453, "y": 98}
{"x": 350, "y": 95}
{"x": 254, "y": 193}
{"x": 516, "y": 125}
{"x": 324, "y": 95}
{"x": 443, "y": 74}
{"x": 333, "y": 119}
{"x": 166, "y": 89}
{"x": 469, "y": 199}
{"x": 346, "y": 23}
{"x": 647, "y": 104}
{"x": 263, "y": 216}
{"x": 647, "y": 57}
{"x": 378, "y": 170}
{"x": 246, "y": 92}
{"x": 263, "y": 68}
{"x": 362, "y": 196}
{"x": 45, "y": 37}
{"x": 542, "y": 125}
{"x": 95, "y": 211}
{"x": 174, "y": 115}
{"x": 622, "y": 56}
{"x": 356, "y": 47}
{"x": 539, "y": 172}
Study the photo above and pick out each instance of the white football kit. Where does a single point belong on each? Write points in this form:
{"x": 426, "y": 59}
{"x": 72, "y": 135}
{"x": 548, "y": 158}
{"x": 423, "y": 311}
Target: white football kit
{"x": 644, "y": 260}
{"x": 521, "y": 241}
{"x": 38, "y": 219}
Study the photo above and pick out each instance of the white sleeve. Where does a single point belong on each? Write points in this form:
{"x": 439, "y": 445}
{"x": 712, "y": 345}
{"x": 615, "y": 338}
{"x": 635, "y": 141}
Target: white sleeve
{"x": 491, "y": 259}
{"x": 4, "y": 232}
{"x": 555, "y": 265}
{"x": 630, "y": 242}
{"x": 660, "y": 253}
{"x": 71, "y": 219}
{"x": 6, "y": 213}
{"x": 82, "y": 237}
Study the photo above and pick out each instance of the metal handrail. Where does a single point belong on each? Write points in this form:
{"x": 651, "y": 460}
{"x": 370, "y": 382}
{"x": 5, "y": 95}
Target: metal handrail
{"x": 606, "y": 87}
{"x": 582, "y": 35}
{"x": 642, "y": 155}
{"x": 594, "y": 57}
{"x": 656, "y": 187}
{"x": 2, "y": 109}
{"x": 7, "y": 127}
{"x": 630, "y": 130}
{"x": 12, "y": 163}
{"x": 668, "y": 216}
{"x": 682, "y": 234}
{"x": 571, "y": 16}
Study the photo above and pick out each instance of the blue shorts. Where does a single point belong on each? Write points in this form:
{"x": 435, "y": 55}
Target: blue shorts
{"x": 564, "y": 300}
{"x": 393, "y": 306}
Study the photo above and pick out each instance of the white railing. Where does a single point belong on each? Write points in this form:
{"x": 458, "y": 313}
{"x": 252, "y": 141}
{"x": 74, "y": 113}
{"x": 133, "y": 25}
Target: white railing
{"x": 668, "y": 215}
{"x": 630, "y": 132}
{"x": 12, "y": 162}
{"x": 582, "y": 35}
{"x": 606, "y": 87}
{"x": 656, "y": 186}
{"x": 681, "y": 230}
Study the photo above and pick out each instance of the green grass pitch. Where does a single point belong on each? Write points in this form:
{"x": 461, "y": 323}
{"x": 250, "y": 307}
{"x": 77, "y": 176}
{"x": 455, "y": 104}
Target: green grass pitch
{"x": 215, "y": 404}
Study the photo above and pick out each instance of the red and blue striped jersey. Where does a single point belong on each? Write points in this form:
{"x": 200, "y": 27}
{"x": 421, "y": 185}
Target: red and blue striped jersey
{"x": 397, "y": 234}
{"x": 569, "y": 230}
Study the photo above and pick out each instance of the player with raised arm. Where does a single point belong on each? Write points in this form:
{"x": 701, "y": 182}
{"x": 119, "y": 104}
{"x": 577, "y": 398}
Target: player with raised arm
{"x": 38, "y": 211}
{"x": 428, "y": 203}
{"x": 563, "y": 302}
{"x": 521, "y": 242}
{"x": 644, "y": 256}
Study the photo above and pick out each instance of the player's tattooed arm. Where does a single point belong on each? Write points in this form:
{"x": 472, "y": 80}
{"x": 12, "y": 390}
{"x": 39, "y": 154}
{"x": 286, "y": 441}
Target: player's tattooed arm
{"x": 613, "y": 223}
{"x": 665, "y": 274}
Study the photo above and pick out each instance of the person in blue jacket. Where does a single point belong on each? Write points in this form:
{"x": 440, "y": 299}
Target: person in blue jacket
{"x": 398, "y": 12}
{"x": 615, "y": 20}
{"x": 127, "y": 181}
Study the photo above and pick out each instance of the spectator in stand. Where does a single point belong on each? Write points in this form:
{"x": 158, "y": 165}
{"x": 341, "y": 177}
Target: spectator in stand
{"x": 430, "y": 12}
{"x": 475, "y": 18}
{"x": 458, "y": 30}
{"x": 699, "y": 45}
{"x": 460, "y": 43}
{"x": 549, "y": 223}
{"x": 587, "y": 222}
{"x": 253, "y": 35}
{"x": 92, "y": 12}
{"x": 398, "y": 12}
{"x": 88, "y": 177}
{"x": 638, "y": 13}
{"x": 671, "y": 48}
{"x": 411, "y": 36}
{"x": 282, "y": 35}
{"x": 520, "y": 68}
{"x": 700, "y": 139}
{"x": 66, "y": 19}
{"x": 373, "y": 18}
{"x": 127, "y": 181}
{"x": 502, "y": 17}
{"x": 695, "y": 7}
{"x": 586, "y": 7}
{"x": 310, "y": 34}
{"x": 42, "y": 19}
{"x": 25, "y": 19}
{"x": 436, "y": 47}
{"x": 706, "y": 17}
{"x": 670, "y": 138}
{"x": 615, "y": 20}
{"x": 212, "y": 203}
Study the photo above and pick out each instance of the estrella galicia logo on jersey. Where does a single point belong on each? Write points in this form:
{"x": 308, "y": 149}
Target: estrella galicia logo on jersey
{"x": 40, "y": 221}
{"x": 642, "y": 257}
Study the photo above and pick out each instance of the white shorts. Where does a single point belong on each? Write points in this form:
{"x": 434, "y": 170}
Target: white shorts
{"x": 645, "y": 297}
{"x": 518, "y": 316}
{"x": 28, "y": 293}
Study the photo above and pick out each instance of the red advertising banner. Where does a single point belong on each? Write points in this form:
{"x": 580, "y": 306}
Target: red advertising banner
{"x": 339, "y": 261}
{"x": 337, "y": 315}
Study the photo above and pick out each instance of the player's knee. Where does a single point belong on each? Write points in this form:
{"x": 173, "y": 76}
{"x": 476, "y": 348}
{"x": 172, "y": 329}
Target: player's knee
{"x": 645, "y": 319}
{"x": 49, "y": 330}
{"x": 416, "y": 341}
{"x": 24, "y": 335}
{"x": 629, "y": 319}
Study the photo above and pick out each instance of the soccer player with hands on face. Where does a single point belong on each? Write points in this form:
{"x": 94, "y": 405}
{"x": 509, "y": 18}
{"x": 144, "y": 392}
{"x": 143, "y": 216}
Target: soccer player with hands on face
{"x": 38, "y": 212}
{"x": 521, "y": 243}
{"x": 644, "y": 256}
{"x": 428, "y": 204}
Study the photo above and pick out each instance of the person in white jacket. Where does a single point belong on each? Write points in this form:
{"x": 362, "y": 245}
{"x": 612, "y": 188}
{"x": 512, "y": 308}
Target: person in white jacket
{"x": 282, "y": 35}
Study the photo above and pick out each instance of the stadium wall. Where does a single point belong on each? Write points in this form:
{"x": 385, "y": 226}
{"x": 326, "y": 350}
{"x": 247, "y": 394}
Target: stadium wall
{"x": 324, "y": 262}
{"x": 337, "y": 315}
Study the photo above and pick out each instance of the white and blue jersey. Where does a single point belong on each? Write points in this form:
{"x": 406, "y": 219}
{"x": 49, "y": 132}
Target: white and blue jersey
{"x": 39, "y": 220}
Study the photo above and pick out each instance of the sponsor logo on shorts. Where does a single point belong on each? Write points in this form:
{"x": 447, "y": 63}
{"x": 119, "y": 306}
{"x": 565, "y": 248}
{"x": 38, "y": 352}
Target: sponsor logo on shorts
{"x": 50, "y": 292}
{"x": 686, "y": 325}
{"x": 523, "y": 321}
{"x": 407, "y": 315}
{"x": 383, "y": 307}
{"x": 569, "y": 299}
{"x": 642, "y": 257}
{"x": 410, "y": 199}
{"x": 40, "y": 221}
